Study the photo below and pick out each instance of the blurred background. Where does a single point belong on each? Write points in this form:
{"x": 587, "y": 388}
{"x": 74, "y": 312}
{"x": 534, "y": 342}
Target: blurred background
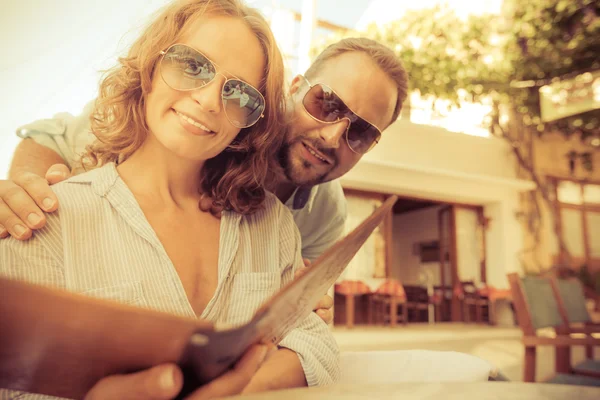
{"x": 496, "y": 156}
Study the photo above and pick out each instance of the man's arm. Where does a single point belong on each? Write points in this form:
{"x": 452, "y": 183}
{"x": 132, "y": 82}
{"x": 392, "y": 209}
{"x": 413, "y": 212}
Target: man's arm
{"x": 31, "y": 157}
{"x": 56, "y": 141}
{"x": 25, "y": 198}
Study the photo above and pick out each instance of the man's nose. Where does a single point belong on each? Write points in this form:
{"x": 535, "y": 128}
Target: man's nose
{"x": 332, "y": 134}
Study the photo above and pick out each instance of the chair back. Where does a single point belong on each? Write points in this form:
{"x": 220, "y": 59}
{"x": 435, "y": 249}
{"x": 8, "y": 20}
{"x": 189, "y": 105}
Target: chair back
{"x": 416, "y": 294}
{"x": 535, "y": 303}
{"x": 572, "y": 296}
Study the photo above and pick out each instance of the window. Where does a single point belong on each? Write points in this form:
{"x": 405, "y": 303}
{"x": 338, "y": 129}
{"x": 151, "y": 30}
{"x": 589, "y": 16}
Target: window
{"x": 579, "y": 208}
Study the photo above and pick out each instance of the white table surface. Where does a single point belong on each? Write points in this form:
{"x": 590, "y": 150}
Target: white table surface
{"x": 436, "y": 391}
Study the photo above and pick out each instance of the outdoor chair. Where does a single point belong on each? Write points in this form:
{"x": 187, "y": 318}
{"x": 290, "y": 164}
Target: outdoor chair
{"x": 537, "y": 307}
{"x": 572, "y": 306}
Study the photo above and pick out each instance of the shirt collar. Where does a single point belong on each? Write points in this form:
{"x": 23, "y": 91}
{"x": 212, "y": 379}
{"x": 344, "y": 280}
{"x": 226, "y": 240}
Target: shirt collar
{"x": 303, "y": 197}
{"x": 102, "y": 179}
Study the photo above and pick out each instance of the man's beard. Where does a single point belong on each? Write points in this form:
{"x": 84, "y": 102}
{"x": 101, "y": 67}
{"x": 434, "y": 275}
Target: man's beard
{"x": 292, "y": 172}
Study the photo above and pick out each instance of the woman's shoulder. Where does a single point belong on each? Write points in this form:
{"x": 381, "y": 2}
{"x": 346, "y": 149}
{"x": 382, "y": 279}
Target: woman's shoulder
{"x": 86, "y": 189}
{"x": 273, "y": 219}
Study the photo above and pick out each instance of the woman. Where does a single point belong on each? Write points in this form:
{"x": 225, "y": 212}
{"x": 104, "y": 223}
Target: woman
{"x": 142, "y": 238}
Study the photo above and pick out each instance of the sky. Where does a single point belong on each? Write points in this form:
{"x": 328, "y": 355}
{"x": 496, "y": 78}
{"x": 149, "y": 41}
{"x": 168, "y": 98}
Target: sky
{"x": 343, "y": 12}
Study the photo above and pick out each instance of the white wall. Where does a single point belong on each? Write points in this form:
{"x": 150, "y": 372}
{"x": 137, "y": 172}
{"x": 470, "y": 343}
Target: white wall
{"x": 436, "y": 148}
{"x": 433, "y": 163}
{"x": 410, "y": 228}
{"x": 468, "y": 245}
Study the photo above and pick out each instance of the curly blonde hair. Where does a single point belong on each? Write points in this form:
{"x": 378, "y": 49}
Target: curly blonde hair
{"x": 234, "y": 179}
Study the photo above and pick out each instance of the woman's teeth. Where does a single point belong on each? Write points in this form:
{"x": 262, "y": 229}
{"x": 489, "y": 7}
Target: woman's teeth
{"x": 193, "y": 122}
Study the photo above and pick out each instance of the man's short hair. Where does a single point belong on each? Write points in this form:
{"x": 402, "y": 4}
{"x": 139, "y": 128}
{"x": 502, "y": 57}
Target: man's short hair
{"x": 383, "y": 56}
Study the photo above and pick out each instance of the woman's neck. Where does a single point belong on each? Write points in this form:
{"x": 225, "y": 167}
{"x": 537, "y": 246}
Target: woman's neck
{"x": 155, "y": 174}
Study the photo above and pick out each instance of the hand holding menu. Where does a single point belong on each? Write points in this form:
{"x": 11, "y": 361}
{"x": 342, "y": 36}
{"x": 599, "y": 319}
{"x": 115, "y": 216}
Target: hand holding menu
{"x": 59, "y": 343}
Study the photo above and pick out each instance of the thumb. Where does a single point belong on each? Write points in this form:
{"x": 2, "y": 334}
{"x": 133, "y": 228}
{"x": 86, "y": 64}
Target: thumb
{"x": 57, "y": 173}
{"x": 162, "y": 382}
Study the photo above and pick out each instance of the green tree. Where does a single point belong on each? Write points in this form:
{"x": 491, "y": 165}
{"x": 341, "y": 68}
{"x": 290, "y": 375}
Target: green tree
{"x": 505, "y": 60}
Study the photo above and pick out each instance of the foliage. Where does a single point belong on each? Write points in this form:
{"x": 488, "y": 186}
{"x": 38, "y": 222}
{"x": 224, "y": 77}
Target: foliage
{"x": 506, "y": 58}
{"x": 503, "y": 60}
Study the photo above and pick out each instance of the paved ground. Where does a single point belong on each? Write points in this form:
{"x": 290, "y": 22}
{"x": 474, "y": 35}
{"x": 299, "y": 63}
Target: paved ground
{"x": 499, "y": 345}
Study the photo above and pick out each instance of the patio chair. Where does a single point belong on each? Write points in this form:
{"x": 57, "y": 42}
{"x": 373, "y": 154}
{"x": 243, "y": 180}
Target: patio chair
{"x": 572, "y": 306}
{"x": 417, "y": 300}
{"x": 536, "y": 307}
{"x": 384, "y": 303}
{"x": 383, "y": 367}
{"x": 471, "y": 298}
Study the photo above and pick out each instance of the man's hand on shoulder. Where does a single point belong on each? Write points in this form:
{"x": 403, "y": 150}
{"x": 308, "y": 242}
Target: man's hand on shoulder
{"x": 25, "y": 200}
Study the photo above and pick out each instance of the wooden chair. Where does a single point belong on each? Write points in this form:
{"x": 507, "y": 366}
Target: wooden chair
{"x": 443, "y": 295}
{"x": 571, "y": 301}
{"x": 494, "y": 296}
{"x": 384, "y": 303}
{"x": 417, "y": 300}
{"x": 536, "y": 308}
{"x": 470, "y": 297}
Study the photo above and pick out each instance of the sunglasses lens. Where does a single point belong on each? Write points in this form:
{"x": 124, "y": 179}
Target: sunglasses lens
{"x": 183, "y": 68}
{"x": 243, "y": 103}
{"x": 362, "y": 136}
{"x": 324, "y": 105}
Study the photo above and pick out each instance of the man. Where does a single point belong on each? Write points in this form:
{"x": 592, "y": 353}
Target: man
{"x": 354, "y": 90}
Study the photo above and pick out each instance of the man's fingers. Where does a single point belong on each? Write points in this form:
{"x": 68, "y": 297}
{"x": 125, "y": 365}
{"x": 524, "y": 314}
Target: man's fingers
{"x": 37, "y": 188}
{"x": 235, "y": 380}
{"x": 325, "y": 315}
{"x": 57, "y": 173}
{"x": 157, "y": 383}
{"x": 302, "y": 270}
{"x": 323, "y": 309}
{"x": 12, "y": 224}
{"x": 19, "y": 203}
{"x": 326, "y": 302}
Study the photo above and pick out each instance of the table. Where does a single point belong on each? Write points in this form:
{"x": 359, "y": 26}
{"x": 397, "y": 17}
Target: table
{"x": 351, "y": 289}
{"x": 436, "y": 391}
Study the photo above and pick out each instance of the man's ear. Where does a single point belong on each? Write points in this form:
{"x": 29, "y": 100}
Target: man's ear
{"x": 296, "y": 84}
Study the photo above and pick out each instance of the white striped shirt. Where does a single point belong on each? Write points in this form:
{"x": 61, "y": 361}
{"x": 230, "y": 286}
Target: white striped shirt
{"x": 100, "y": 244}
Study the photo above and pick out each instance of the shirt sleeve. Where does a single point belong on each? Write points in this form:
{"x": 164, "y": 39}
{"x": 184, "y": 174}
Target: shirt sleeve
{"x": 65, "y": 134}
{"x": 331, "y": 233}
{"x": 312, "y": 340}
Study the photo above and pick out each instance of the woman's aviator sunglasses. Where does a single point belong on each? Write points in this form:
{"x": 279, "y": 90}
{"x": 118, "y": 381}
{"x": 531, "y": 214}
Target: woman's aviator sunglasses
{"x": 324, "y": 105}
{"x": 184, "y": 68}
